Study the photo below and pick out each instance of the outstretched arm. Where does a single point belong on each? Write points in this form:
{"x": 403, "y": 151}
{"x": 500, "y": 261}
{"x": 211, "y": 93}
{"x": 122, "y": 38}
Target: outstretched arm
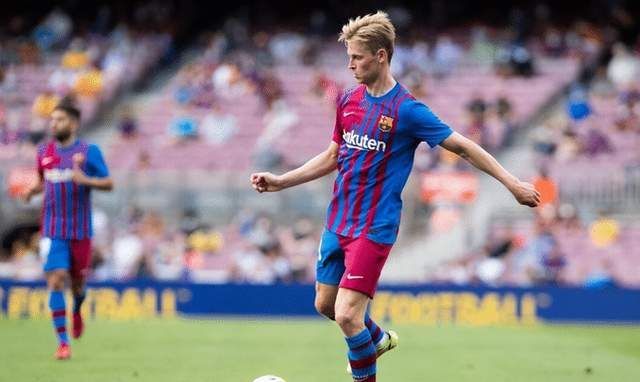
{"x": 524, "y": 192}
{"x": 320, "y": 165}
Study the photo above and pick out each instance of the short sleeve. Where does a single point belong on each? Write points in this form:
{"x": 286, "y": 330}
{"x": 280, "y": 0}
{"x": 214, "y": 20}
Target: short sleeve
{"x": 337, "y": 129}
{"x": 96, "y": 165}
{"x": 39, "y": 163}
{"x": 424, "y": 125}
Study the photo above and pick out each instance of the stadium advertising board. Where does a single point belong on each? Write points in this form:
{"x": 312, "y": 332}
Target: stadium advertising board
{"x": 421, "y": 305}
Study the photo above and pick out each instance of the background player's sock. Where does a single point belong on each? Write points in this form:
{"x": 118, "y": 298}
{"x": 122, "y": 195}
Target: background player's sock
{"x": 377, "y": 334}
{"x": 78, "y": 300}
{"x": 362, "y": 357}
{"x": 59, "y": 315}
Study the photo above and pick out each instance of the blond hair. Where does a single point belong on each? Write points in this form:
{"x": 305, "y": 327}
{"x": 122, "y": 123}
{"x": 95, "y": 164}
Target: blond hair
{"x": 375, "y": 31}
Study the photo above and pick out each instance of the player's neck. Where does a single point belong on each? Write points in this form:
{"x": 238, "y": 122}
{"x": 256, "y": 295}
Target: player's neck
{"x": 382, "y": 85}
{"x": 68, "y": 142}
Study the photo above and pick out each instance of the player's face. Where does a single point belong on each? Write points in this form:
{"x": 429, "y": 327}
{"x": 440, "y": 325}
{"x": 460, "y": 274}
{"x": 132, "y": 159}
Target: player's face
{"x": 365, "y": 65}
{"x": 62, "y": 125}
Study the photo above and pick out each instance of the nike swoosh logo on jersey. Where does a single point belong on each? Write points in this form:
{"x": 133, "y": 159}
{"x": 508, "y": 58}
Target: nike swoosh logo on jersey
{"x": 47, "y": 160}
{"x": 346, "y": 114}
{"x": 352, "y": 277}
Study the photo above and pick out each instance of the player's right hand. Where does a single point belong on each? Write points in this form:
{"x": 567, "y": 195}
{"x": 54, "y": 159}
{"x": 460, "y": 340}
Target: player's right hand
{"x": 26, "y": 197}
{"x": 266, "y": 182}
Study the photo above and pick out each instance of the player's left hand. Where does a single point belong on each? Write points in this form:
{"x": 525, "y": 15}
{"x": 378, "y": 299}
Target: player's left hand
{"x": 79, "y": 177}
{"x": 525, "y": 194}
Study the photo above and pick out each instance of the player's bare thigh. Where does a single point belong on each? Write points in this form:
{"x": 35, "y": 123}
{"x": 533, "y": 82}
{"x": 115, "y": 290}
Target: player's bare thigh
{"x": 326, "y": 299}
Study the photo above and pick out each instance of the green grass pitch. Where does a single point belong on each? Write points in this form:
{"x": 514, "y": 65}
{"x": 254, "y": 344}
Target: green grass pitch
{"x": 234, "y": 350}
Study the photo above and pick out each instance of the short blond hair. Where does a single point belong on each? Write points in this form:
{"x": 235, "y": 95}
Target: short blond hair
{"x": 375, "y": 31}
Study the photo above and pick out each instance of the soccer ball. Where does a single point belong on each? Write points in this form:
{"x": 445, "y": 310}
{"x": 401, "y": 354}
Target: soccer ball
{"x": 269, "y": 378}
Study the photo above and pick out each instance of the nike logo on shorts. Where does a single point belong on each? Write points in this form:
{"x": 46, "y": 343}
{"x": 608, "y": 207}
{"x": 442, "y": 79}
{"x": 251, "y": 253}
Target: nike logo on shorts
{"x": 351, "y": 277}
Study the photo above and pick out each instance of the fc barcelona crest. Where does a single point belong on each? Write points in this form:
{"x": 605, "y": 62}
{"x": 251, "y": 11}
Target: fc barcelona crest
{"x": 385, "y": 124}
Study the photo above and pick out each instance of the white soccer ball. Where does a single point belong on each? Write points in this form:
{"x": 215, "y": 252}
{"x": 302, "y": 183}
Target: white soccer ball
{"x": 269, "y": 378}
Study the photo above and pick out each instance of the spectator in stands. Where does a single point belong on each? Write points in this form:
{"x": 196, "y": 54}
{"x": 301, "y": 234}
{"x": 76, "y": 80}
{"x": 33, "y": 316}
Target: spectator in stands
{"x": 604, "y": 230}
{"x": 490, "y": 270}
{"x": 89, "y": 83}
{"x": 11, "y": 129}
{"x": 279, "y": 264}
{"x": 514, "y": 59}
{"x": 446, "y": 56}
{"x": 459, "y": 271}
{"x": 189, "y": 221}
{"x": 547, "y": 188}
{"x": 553, "y": 42}
{"x": 506, "y": 120}
{"x": 544, "y": 140}
{"x": 601, "y": 86}
{"x": 531, "y": 260}
{"x": 477, "y": 111}
{"x": 569, "y": 146}
{"x": 218, "y": 127}
{"x": 602, "y": 276}
{"x": 4, "y": 130}
{"x": 300, "y": 245}
{"x": 54, "y": 29}
{"x": 143, "y": 161}
{"x": 62, "y": 80}
{"x": 278, "y": 119}
{"x": 28, "y": 53}
{"x": 24, "y": 257}
{"x": 628, "y": 112}
{"x": 567, "y": 217}
{"x": 326, "y": 88}
{"x": 44, "y": 104}
{"x": 260, "y": 49}
{"x": 596, "y": 143}
{"x": 76, "y": 58}
{"x": 578, "y": 105}
{"x": 483, "y": 50}
{"x": 228, "y": 81}
{"x": 624, "y": 67}
{"x": 128, "y": 124}
{"x": 167, "y": 260}
{"x": 127, "y": 252}
{"x": 41, "y": 110}
{"x": 553, "y": 266}
{"x": 269, "y": 89}
{"x": 183, "y": 127}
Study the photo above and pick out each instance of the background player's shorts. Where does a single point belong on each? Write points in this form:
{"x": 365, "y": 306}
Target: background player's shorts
{"x": 72, "y": 255}
{"x": 352, "y": 263}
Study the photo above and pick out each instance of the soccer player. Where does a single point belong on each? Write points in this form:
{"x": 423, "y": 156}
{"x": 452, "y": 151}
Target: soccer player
{"x": 69, "y": 169}
{"x": 378, "y": 126}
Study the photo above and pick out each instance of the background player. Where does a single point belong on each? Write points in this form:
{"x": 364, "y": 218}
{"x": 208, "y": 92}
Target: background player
{"x": 69, "y": 169}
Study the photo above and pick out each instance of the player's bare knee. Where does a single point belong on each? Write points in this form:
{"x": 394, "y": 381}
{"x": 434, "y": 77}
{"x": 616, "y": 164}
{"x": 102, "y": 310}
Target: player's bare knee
{"x": 55, "y": 281}
{"x": 325, "y": 308}
{"x": 77, "y": 286}
{"x": 346, "y": 317}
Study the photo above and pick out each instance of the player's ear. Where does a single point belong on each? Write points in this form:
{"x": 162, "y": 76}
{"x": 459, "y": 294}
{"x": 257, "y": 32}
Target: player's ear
{"x": 381, "y": 55}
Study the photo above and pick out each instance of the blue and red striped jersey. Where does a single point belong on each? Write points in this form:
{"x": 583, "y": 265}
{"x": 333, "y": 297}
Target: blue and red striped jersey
{"x": 66, "y": 210}
{"x": 377, "y": 138}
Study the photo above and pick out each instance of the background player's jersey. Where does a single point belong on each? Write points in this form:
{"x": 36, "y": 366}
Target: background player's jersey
{"x": 66, "y": 210}
{"x": 378, "y": 137}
